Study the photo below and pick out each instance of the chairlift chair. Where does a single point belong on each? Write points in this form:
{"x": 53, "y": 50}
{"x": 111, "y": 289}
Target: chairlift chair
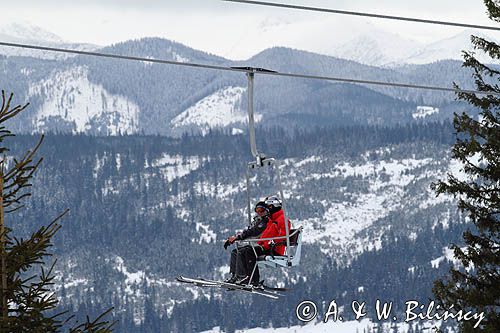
{"x": 294, "y": 236}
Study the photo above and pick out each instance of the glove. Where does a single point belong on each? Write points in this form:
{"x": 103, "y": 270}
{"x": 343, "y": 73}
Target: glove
{"x": 229, "y": 241}
{"x": 256, "y": 220}
{"x": 272, "y": 245}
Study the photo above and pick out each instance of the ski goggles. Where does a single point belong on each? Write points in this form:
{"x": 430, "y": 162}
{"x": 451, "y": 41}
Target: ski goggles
{"x": 261, "y": 210}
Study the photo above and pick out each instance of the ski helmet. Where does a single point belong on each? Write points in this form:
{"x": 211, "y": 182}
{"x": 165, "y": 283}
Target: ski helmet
{"x": 262, "y": 205}
{"x": 273, "y": 203}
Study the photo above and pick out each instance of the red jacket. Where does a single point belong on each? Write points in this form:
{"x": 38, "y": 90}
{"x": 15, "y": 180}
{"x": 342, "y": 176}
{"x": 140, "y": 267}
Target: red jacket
{"x": 275, "y": 228}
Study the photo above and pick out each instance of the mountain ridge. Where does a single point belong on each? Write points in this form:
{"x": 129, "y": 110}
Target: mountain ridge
{"x": 369, "y": 45}
{"x": 159, "y": 93}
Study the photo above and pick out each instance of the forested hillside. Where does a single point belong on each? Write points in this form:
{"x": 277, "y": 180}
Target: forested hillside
{"x": 144, "y": 209}
{"x": 100, "y": 96}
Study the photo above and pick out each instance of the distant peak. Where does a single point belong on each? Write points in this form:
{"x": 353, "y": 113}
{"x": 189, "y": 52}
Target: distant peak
{"x": 25, "y": 31}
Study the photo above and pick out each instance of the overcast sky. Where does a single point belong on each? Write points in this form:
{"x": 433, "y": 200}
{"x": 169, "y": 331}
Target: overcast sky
{"x": 235, "y": 30}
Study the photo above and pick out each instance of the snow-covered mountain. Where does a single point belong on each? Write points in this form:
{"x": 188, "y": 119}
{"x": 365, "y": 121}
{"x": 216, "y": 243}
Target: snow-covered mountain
{"x": 107, "y": 96}
{"x": 219, "y": 110}
{"x": 377, "y": 48}
{"x": 365, "y": 42}
{"x": 449, "y": 48}
{"x": 26, "y": 33}
{"x": 70, "y": 100}
{"x": 381, "y": 48}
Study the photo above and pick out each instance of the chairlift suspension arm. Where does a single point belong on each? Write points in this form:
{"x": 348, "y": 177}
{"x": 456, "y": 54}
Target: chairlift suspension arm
{"x": 249, "y": 210}
{"x": 251, "y": 120}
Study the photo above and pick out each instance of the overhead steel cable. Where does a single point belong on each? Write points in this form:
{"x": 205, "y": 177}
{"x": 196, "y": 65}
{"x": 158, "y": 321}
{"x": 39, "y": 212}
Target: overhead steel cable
{"x": 109, "y": 55}
{"x": 345, "y": 12}
{"x": 245, "y": 69}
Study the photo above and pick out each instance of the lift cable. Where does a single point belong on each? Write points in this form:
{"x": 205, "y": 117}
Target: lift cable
{"x": 345, "y": 12}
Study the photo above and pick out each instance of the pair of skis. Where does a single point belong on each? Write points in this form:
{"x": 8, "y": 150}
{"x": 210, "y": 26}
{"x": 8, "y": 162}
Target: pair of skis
{"x": 270, "y": 292}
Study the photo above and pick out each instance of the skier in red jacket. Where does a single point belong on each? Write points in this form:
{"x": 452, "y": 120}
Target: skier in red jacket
{"x": 243, "y": 259}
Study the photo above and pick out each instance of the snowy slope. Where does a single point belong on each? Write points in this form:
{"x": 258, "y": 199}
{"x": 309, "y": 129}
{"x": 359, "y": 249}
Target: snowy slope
{"x": 386, "y": 183}
{"x": 376, "y": 48}
{"x": 449, "y": 48}
{"x": 221, "y": 109}
{"x": 364, "y": 41}
{"x": 26, "y": 33}
{"x": 381, "y": 48}
{"x": 70, "y": 97}
{"x": 19, "y": 52}
{"x": 424, "y": 111}
{"x": 172, "y": 167}
{"x": 353, "y": 326}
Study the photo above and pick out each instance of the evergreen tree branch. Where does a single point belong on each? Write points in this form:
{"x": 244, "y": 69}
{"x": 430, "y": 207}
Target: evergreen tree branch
{"x": 19, "y": 175}
{"x": 98, "y": 325}
{"x": 493, "y": 10}
{"x": 6, "y": 112}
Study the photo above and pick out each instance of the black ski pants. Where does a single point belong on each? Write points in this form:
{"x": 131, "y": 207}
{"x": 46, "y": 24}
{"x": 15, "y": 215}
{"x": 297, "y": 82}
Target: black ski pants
{"x": 243, "y": 261}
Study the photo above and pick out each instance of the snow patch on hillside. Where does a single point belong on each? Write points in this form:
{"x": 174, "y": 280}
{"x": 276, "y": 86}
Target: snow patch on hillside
{"x": 449, "y": 255}
{"x": 424, "y": 111}
{"x": 457, "y": 168}
{"x": 68, "y": 281}
{"x": 206, "y": 234}
{"x": 237, "y": 131}
{"x": 221, "y": 109}
{"x": 130, "y": 278}
{"x": 169, "y": 167}
{"x": 317, "y": 326}
{"x": 219, "y": 191}
{"x": 312, "y": 159}
{"x": 176, "y": 166}
{"x": 179, "y": 58}
{"x": 69, "y": 96}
